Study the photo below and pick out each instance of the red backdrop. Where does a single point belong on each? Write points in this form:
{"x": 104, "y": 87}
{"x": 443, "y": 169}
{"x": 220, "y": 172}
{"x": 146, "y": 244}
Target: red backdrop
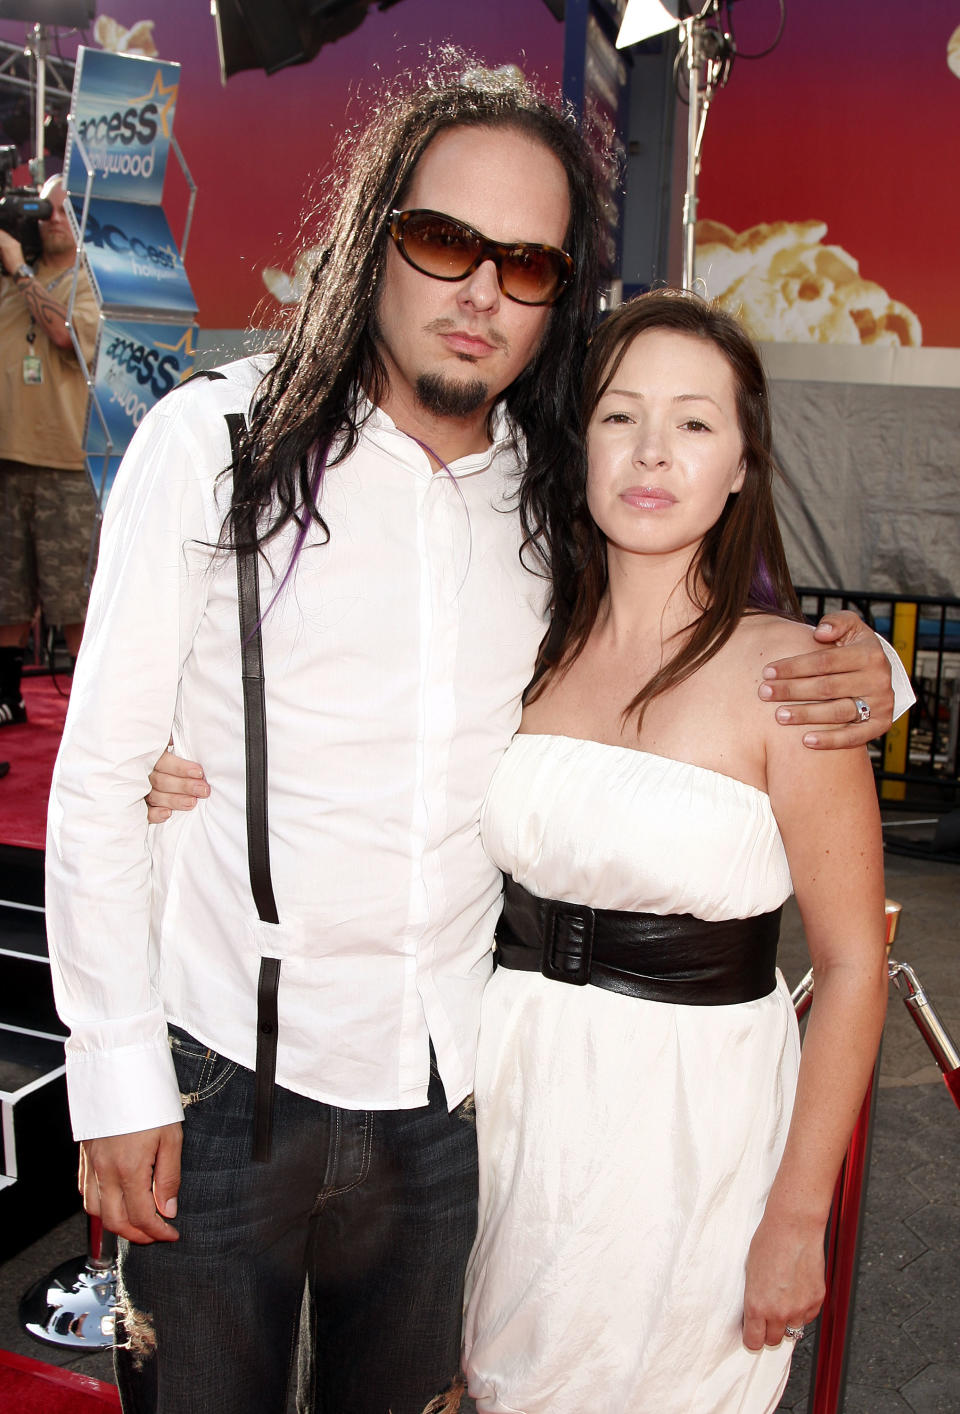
{"x": 853, "y": 120}
{"x": 256, "y": 146}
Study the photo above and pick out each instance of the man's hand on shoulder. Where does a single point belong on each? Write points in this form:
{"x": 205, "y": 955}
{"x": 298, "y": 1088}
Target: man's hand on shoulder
{"x": 175, "y": 784}
{"x": 131, "y": 1182}
{"x": 821, "y": 687}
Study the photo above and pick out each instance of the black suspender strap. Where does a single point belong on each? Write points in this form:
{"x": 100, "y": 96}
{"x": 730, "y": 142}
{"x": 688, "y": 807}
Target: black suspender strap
{"x": 255, "y": 737}
{"x": 265, "y": 1075}
{"x": 258, "y": 829}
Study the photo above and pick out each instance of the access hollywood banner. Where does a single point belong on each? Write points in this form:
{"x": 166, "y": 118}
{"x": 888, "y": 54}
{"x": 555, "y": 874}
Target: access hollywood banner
{"x": 122, "y": 111}
{"x": 120, "y": 136}
{"x": 136, "y": 364}
{"x": 132, "y": 258}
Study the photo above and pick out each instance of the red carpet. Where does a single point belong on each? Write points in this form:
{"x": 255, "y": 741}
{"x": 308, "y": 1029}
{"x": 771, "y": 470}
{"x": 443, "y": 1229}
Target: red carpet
{"x": 31, "y": 750}
{"x": 29, "y": 1387}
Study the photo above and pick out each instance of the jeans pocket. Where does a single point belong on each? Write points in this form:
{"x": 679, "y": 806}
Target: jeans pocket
{"x": 201, "y": 1072}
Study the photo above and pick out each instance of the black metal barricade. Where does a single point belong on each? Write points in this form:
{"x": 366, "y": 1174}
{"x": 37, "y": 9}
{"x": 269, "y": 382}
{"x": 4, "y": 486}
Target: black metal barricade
{"x": 919, "y": 758}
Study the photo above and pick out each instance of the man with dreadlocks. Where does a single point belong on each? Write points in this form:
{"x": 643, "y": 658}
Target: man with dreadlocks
{"x": 326, "y": 992}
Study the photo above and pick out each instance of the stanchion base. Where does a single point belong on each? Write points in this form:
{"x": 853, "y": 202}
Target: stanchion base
{"x": 72, "y": 1306}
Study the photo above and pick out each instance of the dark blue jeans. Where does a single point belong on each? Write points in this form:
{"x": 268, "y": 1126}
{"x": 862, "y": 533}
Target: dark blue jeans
{"x": 353, "y": 1238}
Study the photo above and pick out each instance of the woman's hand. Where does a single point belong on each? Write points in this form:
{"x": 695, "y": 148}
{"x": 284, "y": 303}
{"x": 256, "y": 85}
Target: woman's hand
{"x": 785, "y": 1280}
{"x": 819, "y": 688}
{"x": 175, "y": 784}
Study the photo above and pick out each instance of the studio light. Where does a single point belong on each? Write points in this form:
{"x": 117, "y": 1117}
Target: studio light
{"x": 273, "y": 34}
{"x": 75, "y": 14}
{"x": 706, "y": 52}
{"x": 645, "y": 18}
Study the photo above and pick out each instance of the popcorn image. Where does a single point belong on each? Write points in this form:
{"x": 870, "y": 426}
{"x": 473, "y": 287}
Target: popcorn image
{"x": 287, "y": 289}
{"x": 789, "y": 287}
{"x": 953, "y": 52}
{"x": 138, "y": 39}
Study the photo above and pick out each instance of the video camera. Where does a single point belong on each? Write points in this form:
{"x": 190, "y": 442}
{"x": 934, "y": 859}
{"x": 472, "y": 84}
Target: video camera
{"x": 21, "y": 207}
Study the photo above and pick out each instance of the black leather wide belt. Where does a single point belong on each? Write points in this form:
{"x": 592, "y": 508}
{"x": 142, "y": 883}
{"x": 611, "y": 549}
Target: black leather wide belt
{"x": 663, "y": 958}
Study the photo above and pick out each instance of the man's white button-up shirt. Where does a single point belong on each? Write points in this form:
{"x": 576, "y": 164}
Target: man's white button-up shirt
{"x": 394, "y": 661}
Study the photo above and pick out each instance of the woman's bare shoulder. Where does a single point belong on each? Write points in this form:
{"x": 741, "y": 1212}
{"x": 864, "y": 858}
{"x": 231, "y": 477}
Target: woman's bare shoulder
{"x": 760, "y": 639}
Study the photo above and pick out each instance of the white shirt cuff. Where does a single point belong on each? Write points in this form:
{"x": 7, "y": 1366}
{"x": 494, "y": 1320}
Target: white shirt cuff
{"x": 903, "y": 694}
{"x": 122, "y": 1091}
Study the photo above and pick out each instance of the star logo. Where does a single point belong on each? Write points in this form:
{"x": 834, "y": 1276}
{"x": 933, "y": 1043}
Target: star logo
{"x": 165, "y": 97}
{"x": 185, "y": 346}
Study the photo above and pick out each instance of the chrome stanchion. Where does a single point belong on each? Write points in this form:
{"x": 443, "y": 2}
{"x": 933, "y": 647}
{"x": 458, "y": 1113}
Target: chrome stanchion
{"x": 843, "y": 1263}
{"x": 830, "y": 1354}
{"x": 928, "y": 1023}
{"x": 75, "y": 1305}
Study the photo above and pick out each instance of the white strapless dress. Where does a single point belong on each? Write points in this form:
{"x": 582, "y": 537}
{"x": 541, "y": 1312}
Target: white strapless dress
{"x": 626, "y": 1147}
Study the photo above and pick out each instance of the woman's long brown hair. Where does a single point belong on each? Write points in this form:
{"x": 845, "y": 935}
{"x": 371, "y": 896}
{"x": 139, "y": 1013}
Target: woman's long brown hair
{"x": 740, "y": 566}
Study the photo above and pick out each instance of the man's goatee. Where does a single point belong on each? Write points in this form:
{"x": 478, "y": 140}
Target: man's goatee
{"x": 445, "y": 397}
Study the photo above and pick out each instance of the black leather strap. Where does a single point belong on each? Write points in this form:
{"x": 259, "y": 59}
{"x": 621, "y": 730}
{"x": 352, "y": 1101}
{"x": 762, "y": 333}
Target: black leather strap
{"x": 663, "y": 958}
{"x": 213, "y": 375}
{"x": 254, "y": 717}
{"x": 258, "y": 824}
{"x": 265, "y": 1075}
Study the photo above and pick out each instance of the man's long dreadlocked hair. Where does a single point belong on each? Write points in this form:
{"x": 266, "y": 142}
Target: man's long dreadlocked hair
{"x": 308, "y": 401}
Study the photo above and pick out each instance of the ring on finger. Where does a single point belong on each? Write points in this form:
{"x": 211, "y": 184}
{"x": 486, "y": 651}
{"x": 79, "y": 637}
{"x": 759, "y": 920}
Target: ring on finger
{"x": 863, "y": 709}
{"x": 794, "y": 1332}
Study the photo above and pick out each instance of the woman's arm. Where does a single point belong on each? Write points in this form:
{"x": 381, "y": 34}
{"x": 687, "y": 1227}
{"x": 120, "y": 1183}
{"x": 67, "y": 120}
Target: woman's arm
{"x": 826, "y": 807}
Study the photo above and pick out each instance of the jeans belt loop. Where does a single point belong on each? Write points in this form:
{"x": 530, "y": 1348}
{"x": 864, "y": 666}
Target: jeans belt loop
{"x": 568, "y": 946}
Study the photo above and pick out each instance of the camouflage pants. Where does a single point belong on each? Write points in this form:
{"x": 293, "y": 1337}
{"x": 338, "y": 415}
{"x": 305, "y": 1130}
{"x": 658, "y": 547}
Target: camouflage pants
{"x": 47, "y": 520}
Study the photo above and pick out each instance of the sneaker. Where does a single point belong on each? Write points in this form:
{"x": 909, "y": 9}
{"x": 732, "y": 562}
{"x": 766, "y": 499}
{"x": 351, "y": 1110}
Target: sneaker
{"x": 12, "y": 711}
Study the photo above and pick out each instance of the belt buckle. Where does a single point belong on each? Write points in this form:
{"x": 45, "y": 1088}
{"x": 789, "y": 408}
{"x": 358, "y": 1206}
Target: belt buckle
{"x": 568, "y": 947}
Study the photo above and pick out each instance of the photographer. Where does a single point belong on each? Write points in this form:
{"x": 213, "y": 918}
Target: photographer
{"x": 47, "y": 507}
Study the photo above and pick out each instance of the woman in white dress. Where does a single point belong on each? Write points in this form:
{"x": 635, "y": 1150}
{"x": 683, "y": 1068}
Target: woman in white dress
{"x": 657, "y": 1162}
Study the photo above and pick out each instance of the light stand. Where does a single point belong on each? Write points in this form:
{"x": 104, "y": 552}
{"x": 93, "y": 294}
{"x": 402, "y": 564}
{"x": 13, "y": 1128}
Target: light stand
{"x": 39, "y": 48}
{"x": 703, "y": 48}
{"x": 32, "y": 67}
{"x": 706, "y": 52}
